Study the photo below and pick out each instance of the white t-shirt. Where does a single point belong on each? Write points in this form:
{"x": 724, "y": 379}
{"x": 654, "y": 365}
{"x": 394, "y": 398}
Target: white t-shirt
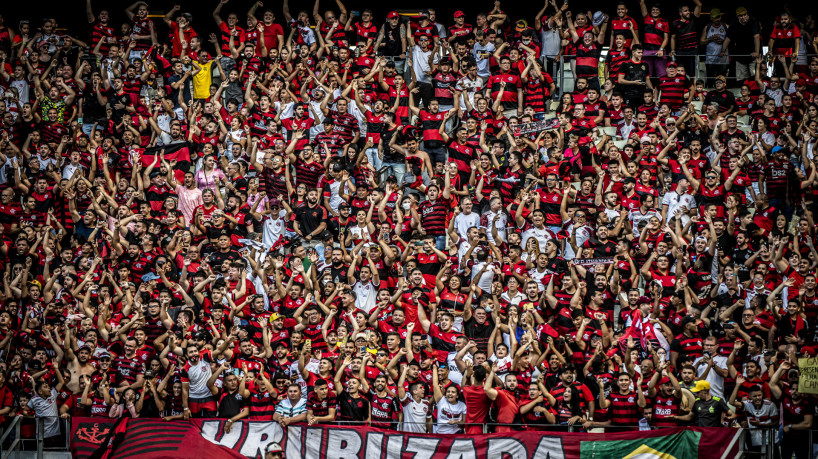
{"x": 486, "y": 279}
{"x": 503, "y": 365}
{"x": 420, "y": 63}
{"x": 767, "y": 411}
{"x": 415, "y": 414}
{"x": 47, "y": 408}
{"x": 716, "y": 381}
{"x": 542, "y": 236}
{"x": 468, "y": 88}
{"x": 335, "y": 199}
{"x": 447, "y": 412}
{"x": 272, "y": 230}
{"x": 637, "y": 216}
{"x": 538, "y": 277}
{"x": 366, "y": 296}
{"x": 463, "y": 248}
{"x": 360, "y": 233}
{"x": 463, "y": 222}
{"x": 584, "y": 233}
{"x": 455, "y": 375}
{"x": 197, "y": 376}
{"x": 501, "y": 224}
{"x": 674, "y": 202}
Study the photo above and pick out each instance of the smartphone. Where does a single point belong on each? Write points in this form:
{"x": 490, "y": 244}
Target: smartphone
{"x": 309, "y": 342}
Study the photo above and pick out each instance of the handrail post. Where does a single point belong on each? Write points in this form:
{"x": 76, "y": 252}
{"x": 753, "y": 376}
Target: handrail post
{"x": 40, "y": 434}
{"x": 561, "y": 74}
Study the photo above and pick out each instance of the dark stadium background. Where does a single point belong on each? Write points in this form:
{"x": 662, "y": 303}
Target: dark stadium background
{"x": 71, "y": 13}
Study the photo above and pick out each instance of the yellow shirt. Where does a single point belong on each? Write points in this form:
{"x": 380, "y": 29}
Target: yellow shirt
{"x": 202, "y": 81}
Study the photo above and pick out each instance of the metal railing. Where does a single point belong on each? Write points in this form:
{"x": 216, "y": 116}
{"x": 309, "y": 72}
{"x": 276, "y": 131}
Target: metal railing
{"x": 565, "y": 70}
{"x": 12, "y": 441}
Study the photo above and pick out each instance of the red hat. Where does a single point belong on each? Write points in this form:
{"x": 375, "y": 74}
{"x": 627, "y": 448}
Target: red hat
{"x": 801, "y": 82}
{"x": 459, "y": 14}
{"x": 664, "y": 380}
{"x": 392, "y": 15}
{"x": 671, "y": 64}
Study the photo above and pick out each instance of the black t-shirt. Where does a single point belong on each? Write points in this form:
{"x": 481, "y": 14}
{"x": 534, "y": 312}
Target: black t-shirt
{"x": 708, "y": 413}
{"x": 741, "y": 39}
{"x": 231, "y": 404}
{"x": 339, "y": 274}
{"x": 724, "y": 98}
{"x": 114, "y": 99}
{"x": 480, "y": 333}
{"x": 309, "y": 218}
{"x": 218, "y": 257}
{"x": 739, "y": 257}
{"x": 632, "y": 71}
{"x": 352, "y": 409}
{"x": 214, "y": 232}
{"x": 390, "y": 155}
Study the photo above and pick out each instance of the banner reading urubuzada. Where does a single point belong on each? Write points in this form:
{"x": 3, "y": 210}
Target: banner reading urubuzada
{"x": 152, "y": 438}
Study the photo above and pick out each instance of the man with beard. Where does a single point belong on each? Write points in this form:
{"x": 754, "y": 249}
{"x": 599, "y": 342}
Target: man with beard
{"x": 376, "y": 123}
{"x": 352, "y": 406}
{"x": 603, "y": 247}
{"x": 128, "y": 368}
{"x": 224, "y": 252}
{"x": 566, "y": 379}
{"x": 79, "y": 364}
{"x": 506, "y": 399}
{"x": 299, "y": 121}
{"x": 684, "y": 38}
{"x": 232, "y": 406}
{"x": 196, "y": 396}
{"x": 242, "y": 359}
{"x": 384, "y": 406}
{"x": 311, "y": 220}
{"x": 280, "y": 362}
{"x": 338, "y": 268}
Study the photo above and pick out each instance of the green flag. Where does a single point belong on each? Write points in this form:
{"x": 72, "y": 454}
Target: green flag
{"x": 683, "y": 445}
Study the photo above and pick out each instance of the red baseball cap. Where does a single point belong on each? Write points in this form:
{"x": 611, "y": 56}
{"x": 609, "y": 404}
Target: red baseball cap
{"x": 392, "y": 15}
{"x": 459, "y": 14}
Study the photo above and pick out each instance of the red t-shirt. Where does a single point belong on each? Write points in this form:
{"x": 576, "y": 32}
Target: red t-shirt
{"x": 477, "y": 407}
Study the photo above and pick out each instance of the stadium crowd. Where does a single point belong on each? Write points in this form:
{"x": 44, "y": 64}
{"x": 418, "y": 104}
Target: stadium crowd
{"x": 350, "y": 219}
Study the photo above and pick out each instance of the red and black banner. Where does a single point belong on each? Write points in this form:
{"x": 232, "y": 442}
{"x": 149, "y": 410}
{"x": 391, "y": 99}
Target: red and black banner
{"x": 207, "y": 438}
{"x": 175, "y": 151}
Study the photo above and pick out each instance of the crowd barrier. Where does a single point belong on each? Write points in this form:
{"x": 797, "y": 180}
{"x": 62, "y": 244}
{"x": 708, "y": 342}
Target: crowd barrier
{"x": 152, "y": 438}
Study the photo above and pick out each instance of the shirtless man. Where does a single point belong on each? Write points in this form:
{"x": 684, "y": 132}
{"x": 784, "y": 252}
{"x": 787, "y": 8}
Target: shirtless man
{"x": 78, "y": 364}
